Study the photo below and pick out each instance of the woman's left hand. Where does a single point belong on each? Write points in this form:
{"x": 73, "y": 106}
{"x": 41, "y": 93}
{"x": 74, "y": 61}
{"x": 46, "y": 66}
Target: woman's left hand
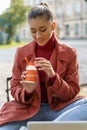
{"x": 44, "y": 65}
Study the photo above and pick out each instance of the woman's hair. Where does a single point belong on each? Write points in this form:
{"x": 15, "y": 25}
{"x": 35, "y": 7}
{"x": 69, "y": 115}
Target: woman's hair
{"x": 41, "y": 10}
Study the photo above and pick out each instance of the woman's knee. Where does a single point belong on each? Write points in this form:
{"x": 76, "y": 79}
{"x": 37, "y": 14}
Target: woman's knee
{"x": 78, "y": 113}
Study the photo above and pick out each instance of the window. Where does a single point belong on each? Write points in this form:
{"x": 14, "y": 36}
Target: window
{"x": 86, "y": 28}
{"x": 77, "y": 7}
{"x": 59, "y": 11}
{"x": 85, "y": 7}
{"x": 67, "y": 29}
{"x": 68, "y": 10}
{"x": 76, "y": 29}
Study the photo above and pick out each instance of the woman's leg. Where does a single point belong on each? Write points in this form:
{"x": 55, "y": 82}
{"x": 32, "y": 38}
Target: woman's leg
{"x": 13, "y": 125}
{"x": 77, "y": 111}
{"x": 17, "y": 125}
{"x": 47, "y": 114}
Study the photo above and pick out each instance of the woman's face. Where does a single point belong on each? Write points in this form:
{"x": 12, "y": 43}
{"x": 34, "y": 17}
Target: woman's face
{"x": 41, "y": 30}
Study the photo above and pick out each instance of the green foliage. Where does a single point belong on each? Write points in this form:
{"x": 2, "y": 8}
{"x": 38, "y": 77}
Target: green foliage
{"x": 85, "y": 0}
{"x": 15, "y": 15}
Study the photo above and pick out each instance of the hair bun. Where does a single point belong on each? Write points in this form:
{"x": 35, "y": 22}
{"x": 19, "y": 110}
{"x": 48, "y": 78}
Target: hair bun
{"x": 44, "y": 4}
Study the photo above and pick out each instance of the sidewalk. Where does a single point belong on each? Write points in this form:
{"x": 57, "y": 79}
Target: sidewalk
{"x": 5, "y": 71}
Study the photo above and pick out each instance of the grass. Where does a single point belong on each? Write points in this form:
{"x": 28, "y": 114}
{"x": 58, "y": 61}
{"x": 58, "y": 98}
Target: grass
{"x": 12, "y": 44}
{"x": 83, "y": 91}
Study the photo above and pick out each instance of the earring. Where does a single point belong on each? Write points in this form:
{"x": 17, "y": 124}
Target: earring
{"x": 53, "y": 26}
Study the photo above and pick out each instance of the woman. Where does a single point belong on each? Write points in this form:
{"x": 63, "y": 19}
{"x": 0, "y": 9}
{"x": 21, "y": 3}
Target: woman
{"x": 57, "y": 81}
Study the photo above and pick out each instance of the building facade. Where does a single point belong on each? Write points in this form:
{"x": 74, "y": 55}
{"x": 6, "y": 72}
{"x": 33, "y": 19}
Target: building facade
{"x": 70, "y": 16}
{"x": 74, "y": 18}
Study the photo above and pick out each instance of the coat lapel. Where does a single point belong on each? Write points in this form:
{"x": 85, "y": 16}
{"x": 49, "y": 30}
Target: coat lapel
{"x": 58, "y": 58}
{"x": 29, "y": 52}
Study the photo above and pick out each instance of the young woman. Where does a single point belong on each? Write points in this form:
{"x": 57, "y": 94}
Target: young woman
{"x": 57, "y": 84}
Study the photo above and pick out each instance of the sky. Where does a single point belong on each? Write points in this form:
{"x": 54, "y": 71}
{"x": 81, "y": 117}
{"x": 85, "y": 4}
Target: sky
{"x": 3, "y": 5}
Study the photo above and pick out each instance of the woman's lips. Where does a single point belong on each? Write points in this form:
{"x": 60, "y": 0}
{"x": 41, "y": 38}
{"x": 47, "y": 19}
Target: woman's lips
{"x": 40, "y": 40}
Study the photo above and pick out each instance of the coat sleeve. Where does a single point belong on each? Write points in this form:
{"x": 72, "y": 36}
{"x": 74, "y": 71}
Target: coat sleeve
{"x": 17, "y": 91}
{"x": 66, "y": 86}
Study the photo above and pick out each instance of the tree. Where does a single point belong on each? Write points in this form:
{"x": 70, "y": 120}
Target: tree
{"x": 13, "y": 16}
{"x": 1, "y": 30}
{"x": 85, "y": 0}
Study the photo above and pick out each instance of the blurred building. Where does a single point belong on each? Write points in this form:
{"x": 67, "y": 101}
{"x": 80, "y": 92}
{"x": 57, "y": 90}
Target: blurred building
{"x": 73, "y": 16}
{"x": 70, "y": 16}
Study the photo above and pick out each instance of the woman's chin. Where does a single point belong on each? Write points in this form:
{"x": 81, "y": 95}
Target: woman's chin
{"x": 41, "y": 44}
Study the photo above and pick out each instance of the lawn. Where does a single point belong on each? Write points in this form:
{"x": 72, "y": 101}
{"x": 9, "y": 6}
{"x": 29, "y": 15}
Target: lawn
{"x": 12, "y": 44}
{"x": 83, "y": 91}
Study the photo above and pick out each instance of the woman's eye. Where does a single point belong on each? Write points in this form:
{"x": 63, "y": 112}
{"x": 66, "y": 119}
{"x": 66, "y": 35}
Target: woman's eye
{"x": 33, "y": 31}
{"x": 43, "y": 30}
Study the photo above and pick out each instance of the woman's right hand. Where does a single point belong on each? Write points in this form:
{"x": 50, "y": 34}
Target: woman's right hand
{"x": 27, "y": 85}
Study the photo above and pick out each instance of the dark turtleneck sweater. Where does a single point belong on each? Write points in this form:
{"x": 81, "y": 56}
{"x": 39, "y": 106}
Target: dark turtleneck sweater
{"x": 44, "y": 51}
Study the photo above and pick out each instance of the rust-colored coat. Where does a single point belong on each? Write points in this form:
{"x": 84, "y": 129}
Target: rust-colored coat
{"x": 60, "y": 94}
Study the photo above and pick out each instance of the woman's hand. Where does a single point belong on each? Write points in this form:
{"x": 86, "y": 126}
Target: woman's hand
{"x": 26, "y": 84}
{"x": 44, "y": 65}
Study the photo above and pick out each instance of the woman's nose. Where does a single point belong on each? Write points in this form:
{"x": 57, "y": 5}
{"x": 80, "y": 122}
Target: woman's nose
{"x": 38, "y": 35}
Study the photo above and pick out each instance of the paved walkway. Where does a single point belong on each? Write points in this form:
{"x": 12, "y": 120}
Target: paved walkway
{"x": 5, "y": 71}
{"x": 6, "y": 62}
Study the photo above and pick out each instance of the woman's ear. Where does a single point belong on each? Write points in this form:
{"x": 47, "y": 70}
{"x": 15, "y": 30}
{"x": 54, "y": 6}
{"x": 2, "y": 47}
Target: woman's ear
{"x": 53, "y": 25}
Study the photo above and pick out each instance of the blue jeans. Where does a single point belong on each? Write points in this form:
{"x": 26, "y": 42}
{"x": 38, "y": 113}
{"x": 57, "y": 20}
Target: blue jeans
{"x": 75, "y": 111}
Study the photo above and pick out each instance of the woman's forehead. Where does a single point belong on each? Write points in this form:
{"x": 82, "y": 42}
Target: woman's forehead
{"x": 39, "y": 21}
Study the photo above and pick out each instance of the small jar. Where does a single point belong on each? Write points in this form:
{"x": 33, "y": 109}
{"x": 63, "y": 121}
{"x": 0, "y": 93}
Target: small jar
{"x": 31, "y": 73}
